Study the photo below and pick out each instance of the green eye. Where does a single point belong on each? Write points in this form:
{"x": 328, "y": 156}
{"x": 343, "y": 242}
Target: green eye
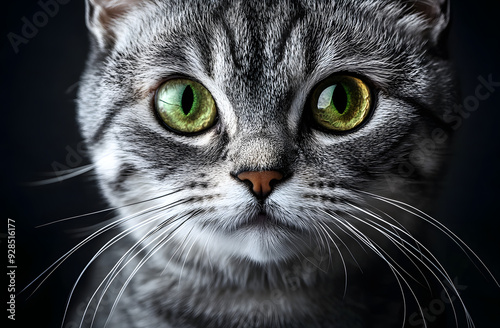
{"x": 185, "y": 106}
{"x": 341, "y": 103}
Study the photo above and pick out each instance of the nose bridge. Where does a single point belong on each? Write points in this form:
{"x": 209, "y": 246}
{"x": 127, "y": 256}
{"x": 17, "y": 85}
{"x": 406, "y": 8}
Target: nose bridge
{"x": 260, "y": 152}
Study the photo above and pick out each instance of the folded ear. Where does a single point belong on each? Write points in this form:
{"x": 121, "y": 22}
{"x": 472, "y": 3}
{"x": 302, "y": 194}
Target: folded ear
{"x": 101, "y": 15}
{"x": 437, "y": 12}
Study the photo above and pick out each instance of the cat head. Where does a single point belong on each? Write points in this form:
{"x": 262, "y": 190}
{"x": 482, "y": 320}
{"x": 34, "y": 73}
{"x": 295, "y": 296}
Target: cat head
{"x": 249, "y": 129}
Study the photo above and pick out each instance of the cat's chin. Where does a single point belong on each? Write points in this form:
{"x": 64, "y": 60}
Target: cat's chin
{"x": 262, "y": 241}
{"x": 258, "y": 240}
{"x": 263, "y": 248}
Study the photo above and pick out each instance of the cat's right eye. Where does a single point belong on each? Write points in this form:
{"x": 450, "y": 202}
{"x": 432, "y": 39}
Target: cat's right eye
{"x": 185, "y": 106}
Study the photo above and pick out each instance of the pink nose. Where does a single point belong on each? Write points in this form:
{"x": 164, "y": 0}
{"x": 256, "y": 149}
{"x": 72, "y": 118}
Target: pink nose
{"x": 261, "y": 181}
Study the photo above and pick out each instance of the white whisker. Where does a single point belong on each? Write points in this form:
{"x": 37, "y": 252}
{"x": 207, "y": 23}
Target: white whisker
{"x": 387, "y": 233}
{"x": 192, "y": 213}
{"x": 110, "y": 243}
{"x": 340, "y": 254}
{"x": 147, "y": 256}
{"x": 387, "y": 259}
{"x": 395, "y": 230}
{"x": 108, "y": 209}
{"x": 113, "y": 273}
{"x": 324, "y": 239}
{"x": 66, "y": 174}
{"x": 427, "y": 218}
{"x": 187, "y": 253}
{"x": 63, "y": 258}
{"x": 205, "y": 249}
{"x": 353, "y": 237}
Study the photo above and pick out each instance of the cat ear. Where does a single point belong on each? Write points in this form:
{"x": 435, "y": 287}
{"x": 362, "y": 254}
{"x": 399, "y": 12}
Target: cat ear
{"x": 100, "y": 16}
{"x": 437, "y": 12}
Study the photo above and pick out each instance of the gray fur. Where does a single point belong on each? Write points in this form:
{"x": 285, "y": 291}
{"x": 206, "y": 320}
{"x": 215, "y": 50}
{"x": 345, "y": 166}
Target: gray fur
{"x": 260, "y": 60}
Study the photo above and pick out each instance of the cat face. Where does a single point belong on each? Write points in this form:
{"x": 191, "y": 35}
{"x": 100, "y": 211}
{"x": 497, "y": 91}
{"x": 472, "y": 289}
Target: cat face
{"x": 265, "y": 70}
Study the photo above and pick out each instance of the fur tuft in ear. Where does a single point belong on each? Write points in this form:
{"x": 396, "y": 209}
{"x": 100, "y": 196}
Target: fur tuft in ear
{"x": 100, "y": 15}
{"x": 437, "y": 12}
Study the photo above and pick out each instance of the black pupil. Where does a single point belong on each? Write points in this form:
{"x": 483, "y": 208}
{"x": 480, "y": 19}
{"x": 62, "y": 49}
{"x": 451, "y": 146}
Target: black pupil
{"x": 339, "y": 98}
{"x": 187, "y": 100}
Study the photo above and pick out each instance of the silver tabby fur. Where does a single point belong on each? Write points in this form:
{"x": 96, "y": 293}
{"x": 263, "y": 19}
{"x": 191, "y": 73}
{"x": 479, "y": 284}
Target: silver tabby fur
{"x": 185, "y": 237}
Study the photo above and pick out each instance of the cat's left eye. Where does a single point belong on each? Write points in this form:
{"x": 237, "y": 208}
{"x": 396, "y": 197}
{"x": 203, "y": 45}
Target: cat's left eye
{"x": 185, "y": 106}
{"x": 340, "y": 103}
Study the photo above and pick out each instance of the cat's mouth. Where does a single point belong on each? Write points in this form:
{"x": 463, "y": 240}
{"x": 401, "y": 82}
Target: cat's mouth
{"x": 259, "y": 220}
{"x": 265, "y": 221}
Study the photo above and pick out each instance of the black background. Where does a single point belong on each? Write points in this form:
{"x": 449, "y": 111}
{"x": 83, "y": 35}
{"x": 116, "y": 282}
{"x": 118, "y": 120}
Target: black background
{"x": 38, "y": 87}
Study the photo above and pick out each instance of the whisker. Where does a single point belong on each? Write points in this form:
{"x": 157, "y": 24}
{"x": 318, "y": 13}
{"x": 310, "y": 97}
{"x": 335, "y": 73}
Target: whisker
{"x": 348, "y": 233}
{"x": 427, "y": 218}
{"x": 192, "y": 213}
{"x": 345, "y": 245}
{"x": 324, "y": 239}
{"x": 395, "y": 230}
{"x": 149, "y": 254}
{"x": 395, "y": 272}
{"x": 108, "y": 244}
{"x": 66, "y": 174}
{"x": 396, "y": 222}
{"x": 297, "y": 249}
{"x": 113, "y": 273}
{"x": 109, "y": 209}
{"x": 164, "y": 224}
{"x": 205, "y": 248}
{"x": 406, "y": 250}
{"x": 408, "y": 233}
{"x": 389, "y": 261}
{"x": 340, "y": 254}
{"x": 94, "y": 235}
{"x": 419, "y": 255}
{"x": 187, "y": 254}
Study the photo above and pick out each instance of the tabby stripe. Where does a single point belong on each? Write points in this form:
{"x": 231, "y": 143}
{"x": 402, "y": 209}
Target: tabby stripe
{"x": 108, "y": 120}
{"x": 126, "y": 171}
{"x": 230, "y": 36}
{"x": 285, "y": 35}
{"x": 428, "y": 112}
{"x": 206, "y": 55}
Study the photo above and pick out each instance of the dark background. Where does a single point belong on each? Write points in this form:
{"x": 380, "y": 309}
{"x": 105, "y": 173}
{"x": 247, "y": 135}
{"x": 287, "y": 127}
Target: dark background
{"x": 38, "y": 88}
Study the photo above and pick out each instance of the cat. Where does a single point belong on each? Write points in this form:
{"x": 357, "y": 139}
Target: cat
{"x": 261, "y": 157}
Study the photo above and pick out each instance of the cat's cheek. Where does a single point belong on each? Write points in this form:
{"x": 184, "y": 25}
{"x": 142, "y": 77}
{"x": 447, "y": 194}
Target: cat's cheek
{"x": 107, "y": 164}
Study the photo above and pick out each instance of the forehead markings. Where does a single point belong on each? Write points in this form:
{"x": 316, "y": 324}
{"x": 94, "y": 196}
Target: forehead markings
{"x": 248, "y": 56}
